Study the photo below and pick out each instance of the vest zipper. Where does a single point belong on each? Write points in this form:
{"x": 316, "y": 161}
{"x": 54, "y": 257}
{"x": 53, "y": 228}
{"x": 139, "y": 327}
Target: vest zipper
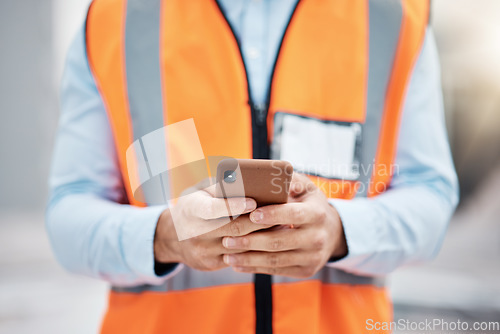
{"x": 260, "y": 150}
{"x": 261, "y": 114}
{"x": 260, "y": 146}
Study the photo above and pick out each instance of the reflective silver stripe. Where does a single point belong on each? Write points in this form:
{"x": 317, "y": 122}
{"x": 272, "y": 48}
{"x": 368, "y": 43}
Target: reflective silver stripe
{"x": 330, "y": 275}
{"x": 143, "y": 69}
{"x": 144, "y": 88}
{"x": 385, "y": 18}
{"x": 188, "y": 278}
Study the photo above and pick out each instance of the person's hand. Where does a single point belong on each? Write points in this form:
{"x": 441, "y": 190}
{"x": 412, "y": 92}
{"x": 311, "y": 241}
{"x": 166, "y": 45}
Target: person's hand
{"x": 201, "y": 210}
{"x": 309, "y": 234}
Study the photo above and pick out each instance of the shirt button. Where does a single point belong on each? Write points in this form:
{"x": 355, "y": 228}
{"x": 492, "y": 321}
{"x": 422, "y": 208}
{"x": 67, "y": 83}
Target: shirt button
{"x": 253, "y": 53}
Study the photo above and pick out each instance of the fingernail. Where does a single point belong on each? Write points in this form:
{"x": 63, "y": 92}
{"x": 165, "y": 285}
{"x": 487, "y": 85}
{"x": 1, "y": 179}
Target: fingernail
{"x": 250, "y": 204}
{"x": 229, "y": 259}
{"x": 228, "y": 242}
{"x": 257, "y": 216}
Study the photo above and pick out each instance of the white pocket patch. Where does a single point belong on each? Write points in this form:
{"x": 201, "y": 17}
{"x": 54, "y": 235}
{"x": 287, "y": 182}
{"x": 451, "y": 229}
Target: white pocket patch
{"x": 327, "y": 149}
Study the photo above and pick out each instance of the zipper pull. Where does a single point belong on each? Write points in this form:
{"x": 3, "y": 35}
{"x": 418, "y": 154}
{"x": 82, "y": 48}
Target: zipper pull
{"x": 260, "y": 113}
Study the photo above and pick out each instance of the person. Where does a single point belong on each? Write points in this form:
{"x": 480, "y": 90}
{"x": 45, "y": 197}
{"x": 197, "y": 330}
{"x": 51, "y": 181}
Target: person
{"x": 322, "y": 84}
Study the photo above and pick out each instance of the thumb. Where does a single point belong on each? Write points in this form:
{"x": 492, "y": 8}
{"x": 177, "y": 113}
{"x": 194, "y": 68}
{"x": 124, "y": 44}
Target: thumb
{"x": 300, "y": 185}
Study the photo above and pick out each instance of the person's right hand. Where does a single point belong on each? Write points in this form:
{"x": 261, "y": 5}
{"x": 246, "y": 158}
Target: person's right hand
{"x": 202, "y": 211}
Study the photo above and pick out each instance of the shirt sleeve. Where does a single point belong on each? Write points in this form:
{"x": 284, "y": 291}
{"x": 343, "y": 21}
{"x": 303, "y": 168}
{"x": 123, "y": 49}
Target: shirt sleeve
{"x": 407, "y": 223}
{"x": 90, "y": 231}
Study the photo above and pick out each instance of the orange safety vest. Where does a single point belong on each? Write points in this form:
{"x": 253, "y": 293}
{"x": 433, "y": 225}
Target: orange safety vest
{"x": 342, "y": 62}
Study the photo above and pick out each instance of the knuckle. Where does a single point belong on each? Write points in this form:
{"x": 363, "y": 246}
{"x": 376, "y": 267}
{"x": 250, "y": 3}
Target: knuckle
{"x": 276, "y": 244}
{"x": 298, "y": 214}
{"x": 274, "y": 214}
{"x": 273, "y": 271}
{"x": 235, "y": 228}
{"x": 270, "y": 211}
{"x": 212, "y": 263}
{"x": 309, "y": 271}
{"x": 321, "y": 215}
{"x": 244, "y": 242}
{"x": 319, "y": 241}
{"x": 273, "y": 260}
{"x": 243, "y": 261}
{"x": 236, "y": 206}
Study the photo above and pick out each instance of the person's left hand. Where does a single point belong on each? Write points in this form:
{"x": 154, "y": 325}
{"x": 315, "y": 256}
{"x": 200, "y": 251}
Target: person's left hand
{"x": 310, "y": 232}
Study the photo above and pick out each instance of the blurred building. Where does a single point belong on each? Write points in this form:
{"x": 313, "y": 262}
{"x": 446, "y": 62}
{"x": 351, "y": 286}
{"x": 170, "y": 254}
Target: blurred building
{"x": 27, "y": 101}
{"x": 468, "y": 38}
{"x": 34, "y": 37}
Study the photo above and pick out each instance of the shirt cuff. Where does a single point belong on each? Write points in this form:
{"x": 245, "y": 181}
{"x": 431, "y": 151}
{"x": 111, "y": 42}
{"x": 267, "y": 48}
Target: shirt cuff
{"x": 361, "y": 231}
{"x": 138, "y": 234}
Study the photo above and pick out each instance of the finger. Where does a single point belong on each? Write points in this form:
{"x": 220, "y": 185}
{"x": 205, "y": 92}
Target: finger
{"x": 293, "y": 271}
{"x": 216, "y": 248}
{"x": 300, "y": 185}
{"x": 205, "y": 185}
{"x": 270, "y": 241}
{"x": 207, "y": 207}
{"x": 289, "y": 213}
{"x": 266, "y": 259}
{"x": 240, "y": 226}
{"x": 210, "y": 189}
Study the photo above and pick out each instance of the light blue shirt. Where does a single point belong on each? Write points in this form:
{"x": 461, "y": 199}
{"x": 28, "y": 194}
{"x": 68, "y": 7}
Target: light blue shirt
{"x": 92, "y": 234}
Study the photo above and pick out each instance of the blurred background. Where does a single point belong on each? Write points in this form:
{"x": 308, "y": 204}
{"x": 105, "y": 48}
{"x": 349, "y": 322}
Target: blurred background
{"x": 36, "y": 295}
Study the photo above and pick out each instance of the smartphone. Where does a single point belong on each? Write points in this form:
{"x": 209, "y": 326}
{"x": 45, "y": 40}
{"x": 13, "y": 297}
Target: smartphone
{"x": 266, "y": 181}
